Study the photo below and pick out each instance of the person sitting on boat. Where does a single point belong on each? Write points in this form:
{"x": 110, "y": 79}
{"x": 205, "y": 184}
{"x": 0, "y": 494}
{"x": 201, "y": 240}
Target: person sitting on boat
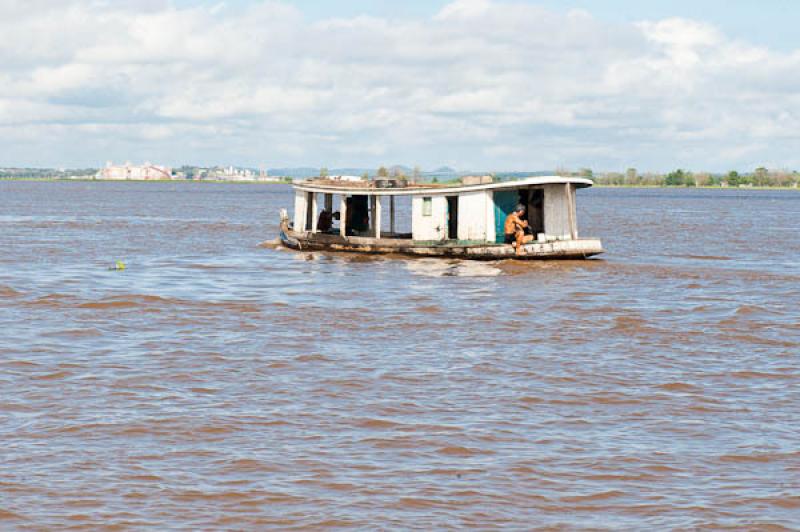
{"x": 515, "y": 229}
{"x": 325, "y": 221}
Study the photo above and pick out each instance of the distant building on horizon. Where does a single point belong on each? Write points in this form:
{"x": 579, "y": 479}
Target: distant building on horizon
{"x": 145, "y": 172}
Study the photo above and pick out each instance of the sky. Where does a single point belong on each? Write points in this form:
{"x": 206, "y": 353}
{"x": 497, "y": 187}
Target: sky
{"x": 494, "y": 85}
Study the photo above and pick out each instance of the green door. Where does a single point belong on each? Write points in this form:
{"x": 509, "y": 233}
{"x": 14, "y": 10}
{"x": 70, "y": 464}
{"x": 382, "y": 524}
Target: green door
{"x": 504, "y": 203}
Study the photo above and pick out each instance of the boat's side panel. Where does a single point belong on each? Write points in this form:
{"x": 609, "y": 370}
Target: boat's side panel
{"x": 429, "y": 222}
{"x": 562, "y": 249}
{"x": 569, "y": 249}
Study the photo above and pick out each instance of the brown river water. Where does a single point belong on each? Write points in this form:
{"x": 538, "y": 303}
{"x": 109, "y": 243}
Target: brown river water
{"x": 221, "y": 384}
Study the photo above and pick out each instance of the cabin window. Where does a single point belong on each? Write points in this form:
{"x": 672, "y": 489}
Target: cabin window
{"x": 427, "y": 206}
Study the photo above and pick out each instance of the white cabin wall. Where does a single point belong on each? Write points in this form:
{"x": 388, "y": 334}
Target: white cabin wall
{"x": 433, "y": 227}
{"x": 491, "y": 231}
{"x": 440, "y": 217}
{"x": 557, "y": 212}
{"x": 476, "y": 216}
{"x": 314, "y": 213}
{"x": 300, "y": 206}
{"x": 573, "y": 209}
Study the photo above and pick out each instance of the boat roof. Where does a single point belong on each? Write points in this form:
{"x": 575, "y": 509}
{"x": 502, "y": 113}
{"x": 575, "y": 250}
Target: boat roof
{"x": 369, "y": 188}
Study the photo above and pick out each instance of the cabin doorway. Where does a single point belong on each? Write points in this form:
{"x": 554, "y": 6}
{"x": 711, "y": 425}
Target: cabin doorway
{"x": 536, "y": 211}
{"x": 357, "y": 220}
{"x": 396, "y": 217}
{"x": 310, "y": 207}
{"x": 504, "y": 203}
{"x": 452, "y": 217}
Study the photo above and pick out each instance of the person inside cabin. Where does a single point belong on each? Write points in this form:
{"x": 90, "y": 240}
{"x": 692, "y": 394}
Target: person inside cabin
{"x": 515, "y": 229}
{"x": 325, "y": 221}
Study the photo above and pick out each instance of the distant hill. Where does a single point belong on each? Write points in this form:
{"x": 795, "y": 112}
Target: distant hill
{"x": 444, "y": 170}
{"x": 306, "y": 172}
{"x": 508, "y": 176}
{"x": 351, "y": 171}
{"x": 399, "y": 168}
{"x": 300, "y": 173}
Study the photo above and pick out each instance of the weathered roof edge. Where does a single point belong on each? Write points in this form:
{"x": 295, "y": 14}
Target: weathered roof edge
{"x": 413, "y": 190}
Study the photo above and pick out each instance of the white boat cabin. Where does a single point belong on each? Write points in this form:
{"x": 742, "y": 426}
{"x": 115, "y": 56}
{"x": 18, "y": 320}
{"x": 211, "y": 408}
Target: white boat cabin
{"x": 465, "y": 213}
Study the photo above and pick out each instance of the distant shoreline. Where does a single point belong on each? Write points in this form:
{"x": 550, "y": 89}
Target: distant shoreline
{"x": 91, "y": 180}
{"x": 596, "y": 185}
{"x": 248, "y": 182}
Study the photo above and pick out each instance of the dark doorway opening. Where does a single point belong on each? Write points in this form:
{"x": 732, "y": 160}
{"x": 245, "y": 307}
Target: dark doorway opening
{"x": 357, "y": 215}
{"x": 309, "y": 211}
{"x": 536, "y": 211}
{"x": 452, "y": 217}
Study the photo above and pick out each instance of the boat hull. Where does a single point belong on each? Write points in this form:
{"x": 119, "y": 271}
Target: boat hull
{"x": 562, "y": 249}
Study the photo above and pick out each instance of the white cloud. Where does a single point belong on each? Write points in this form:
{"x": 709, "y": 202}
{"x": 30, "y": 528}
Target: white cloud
{"x": 486, "y": 84}
{"x": 461, "y": 9}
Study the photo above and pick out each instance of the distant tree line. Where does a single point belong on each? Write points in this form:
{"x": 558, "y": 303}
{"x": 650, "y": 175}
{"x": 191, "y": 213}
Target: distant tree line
{"x": 395, "y": 172}
{"x": 44, "y": 173}
{"x": 760, "y": 177}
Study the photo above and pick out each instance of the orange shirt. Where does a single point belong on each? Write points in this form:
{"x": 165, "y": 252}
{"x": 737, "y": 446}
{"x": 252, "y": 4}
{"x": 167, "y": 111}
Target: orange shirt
{"x": 514, "y": 223}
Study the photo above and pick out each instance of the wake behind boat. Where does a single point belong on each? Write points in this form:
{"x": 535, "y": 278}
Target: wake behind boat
{"x": 467, "y": 220}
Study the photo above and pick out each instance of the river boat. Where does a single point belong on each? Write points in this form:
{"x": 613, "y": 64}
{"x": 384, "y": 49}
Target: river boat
{"x": 463, "y": 220}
